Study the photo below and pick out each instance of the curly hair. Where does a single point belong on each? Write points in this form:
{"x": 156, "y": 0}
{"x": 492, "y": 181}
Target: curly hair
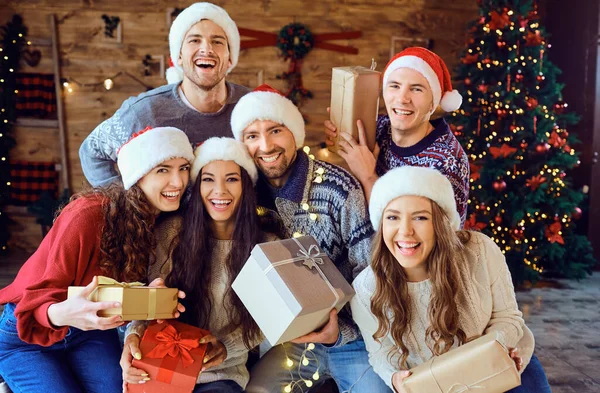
{"x": 391, "y": 293}
{"x": 127, "y": 235}
{"x": 191, "y": 255}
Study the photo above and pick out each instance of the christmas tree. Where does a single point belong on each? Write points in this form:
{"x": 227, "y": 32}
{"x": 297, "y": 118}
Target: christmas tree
{"x": 513, "y": 126}
{"x": 11, "y": 45}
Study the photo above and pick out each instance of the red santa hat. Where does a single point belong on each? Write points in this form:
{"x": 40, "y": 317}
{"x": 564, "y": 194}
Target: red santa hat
{"x": 184, "y": 22}
{"x": 433, "y": 68}
{"x": 148, "y": 148}
{"x": 267, "y": 103}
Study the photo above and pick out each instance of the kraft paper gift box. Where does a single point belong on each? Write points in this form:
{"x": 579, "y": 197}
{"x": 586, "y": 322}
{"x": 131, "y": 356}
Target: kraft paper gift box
{"x": 354, "y": 96}
{"x": 172, "y": 357}
{"x": 289, "y": 287}
{"x": 138, "y": 302}
{"x": 482, "y": 365}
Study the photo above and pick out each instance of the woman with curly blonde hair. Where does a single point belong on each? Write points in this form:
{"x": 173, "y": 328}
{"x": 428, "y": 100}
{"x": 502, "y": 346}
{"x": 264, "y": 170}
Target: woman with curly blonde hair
{"x": 52, "y": 343}
{"x": 431, "y": 286}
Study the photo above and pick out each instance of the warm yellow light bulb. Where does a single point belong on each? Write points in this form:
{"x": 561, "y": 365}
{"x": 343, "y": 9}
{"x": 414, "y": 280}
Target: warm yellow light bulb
{"x": 287, "y": 389}
{"x": 308, "y": 383}
{"x": 316, "y": 376}
{"x": 305, "y": 361}
{"x": 311, "y": 346}
{"x": 306, "y": 149}
{"x": 289, "y": 362}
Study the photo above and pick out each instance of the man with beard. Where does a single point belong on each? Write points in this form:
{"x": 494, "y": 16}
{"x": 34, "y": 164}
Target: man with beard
{"x": 204, "y": 46}
{"x": 308, "y": 197}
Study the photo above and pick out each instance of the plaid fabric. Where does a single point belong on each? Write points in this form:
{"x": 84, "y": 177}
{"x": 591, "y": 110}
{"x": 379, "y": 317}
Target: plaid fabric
{"x": 37, "y": 96}
{"x": 30, "y": 179}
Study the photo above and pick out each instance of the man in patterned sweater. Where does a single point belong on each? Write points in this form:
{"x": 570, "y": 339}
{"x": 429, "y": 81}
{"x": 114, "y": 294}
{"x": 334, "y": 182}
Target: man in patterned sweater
{"x": 312, "y": 198}
{"x": 415, "y": 82}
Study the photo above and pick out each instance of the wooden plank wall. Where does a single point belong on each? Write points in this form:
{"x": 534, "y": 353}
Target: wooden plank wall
{"x": 88, "y": 57}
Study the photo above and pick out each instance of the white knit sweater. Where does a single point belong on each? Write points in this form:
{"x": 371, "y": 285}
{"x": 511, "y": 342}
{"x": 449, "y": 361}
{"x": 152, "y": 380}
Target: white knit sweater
{"x": 489, "y": 304}
{"x": 234, "y": 367}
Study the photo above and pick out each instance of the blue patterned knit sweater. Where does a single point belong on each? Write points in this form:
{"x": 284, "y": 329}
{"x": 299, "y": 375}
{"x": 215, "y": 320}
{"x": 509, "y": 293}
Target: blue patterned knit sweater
{"x": 440, "y": 150}
{"x": 337, "y": 217}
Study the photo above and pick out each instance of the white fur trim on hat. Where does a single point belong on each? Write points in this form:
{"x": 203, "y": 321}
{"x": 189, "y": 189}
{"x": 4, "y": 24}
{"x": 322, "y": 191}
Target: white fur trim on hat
{"x": 223, "y": 149}
{"x": 411, "y": 180}
{"x": 266, "y": 105}
{"x": 194, "y": 14}
{"x": 173, "y": 75}
{"x": 451, "y": 101}
{"x": 148, "y": 148}
{"x": 421, "y": 66}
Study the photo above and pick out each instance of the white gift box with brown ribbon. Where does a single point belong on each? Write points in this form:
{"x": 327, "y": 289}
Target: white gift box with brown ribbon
{"x": 480, "y": 366}
{"x": 138, "y": 302}
{"x": 289, "y": 287}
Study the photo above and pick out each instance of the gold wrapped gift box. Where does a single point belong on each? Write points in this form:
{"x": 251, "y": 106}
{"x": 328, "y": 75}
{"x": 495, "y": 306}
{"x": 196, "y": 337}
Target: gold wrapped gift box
{"x": 138, "y": 302}
{"x": 354, "y": 96}
{"x": 482, "y": 365}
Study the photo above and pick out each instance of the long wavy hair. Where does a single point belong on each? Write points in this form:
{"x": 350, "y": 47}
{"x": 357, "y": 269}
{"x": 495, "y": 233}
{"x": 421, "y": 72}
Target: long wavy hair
{"x": 127, "y": 235}
{"x": 391, "y": 293}
{"x": 192, "y": 258}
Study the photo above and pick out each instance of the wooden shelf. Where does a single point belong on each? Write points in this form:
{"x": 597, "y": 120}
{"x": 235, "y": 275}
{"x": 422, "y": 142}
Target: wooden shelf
{"x": 36, "y": 123}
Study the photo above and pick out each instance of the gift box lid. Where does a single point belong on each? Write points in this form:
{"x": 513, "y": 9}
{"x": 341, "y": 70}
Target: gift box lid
{"x": 302, "y": 274}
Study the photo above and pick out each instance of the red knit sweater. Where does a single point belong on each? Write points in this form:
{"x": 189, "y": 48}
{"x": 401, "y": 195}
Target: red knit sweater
{"x": 68, "y": 255}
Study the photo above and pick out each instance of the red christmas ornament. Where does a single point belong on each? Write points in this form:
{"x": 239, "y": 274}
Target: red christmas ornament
{"x": 576, "y": 213}
{"x": 513, "y": 128}
{"x": 559, "y": 107}
{"x": 501, "y": 113}
{"x": 524, "y": 145}
{"x": 498, "y": 220}
{"x": 501, "y": 44}
{"x": 552, "y": 233}
{"x": 470, "y": 59}
{"x": 517, "y": 234}
{"x": 532, "y": 103}
{"x": 519, "y": 77}
{"x": 482, "y": 206}
{"x": 567, "y": 148}
{"x": 540, "y": 78}
{"x": 467, "y": 81}
{"x": 472, "y": 223}
{"x": 483, "y": 88}
{"x": 542, "y": 148}
{"x": 487, "y": 60}
{"x": 499, "y": 185}
{"x": 562, "y": 175}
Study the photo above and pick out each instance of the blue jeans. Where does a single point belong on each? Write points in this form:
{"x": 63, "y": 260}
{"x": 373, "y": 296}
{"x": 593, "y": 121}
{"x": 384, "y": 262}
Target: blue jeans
{"x": 348, "y": 365}
{"x": 225, "y": 386}
{"x": 84, "y": 361}
{"x": 533, "y": 379}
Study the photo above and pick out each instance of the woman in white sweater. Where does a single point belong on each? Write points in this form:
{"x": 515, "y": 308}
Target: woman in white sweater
{"x": 201, "y": 253}
{"x": 432, "y": 287}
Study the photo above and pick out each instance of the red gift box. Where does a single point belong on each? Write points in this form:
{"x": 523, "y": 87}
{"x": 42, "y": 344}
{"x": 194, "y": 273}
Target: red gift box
{"x": 172, "y": 357}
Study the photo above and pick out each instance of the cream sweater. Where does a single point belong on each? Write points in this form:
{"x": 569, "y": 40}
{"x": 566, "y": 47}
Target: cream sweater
{"x": 234, "y": 367}
{"x": 488, "y": 305}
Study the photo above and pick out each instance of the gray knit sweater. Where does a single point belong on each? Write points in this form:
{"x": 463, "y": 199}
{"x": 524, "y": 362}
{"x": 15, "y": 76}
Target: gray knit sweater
{"x": 160, "y": 107}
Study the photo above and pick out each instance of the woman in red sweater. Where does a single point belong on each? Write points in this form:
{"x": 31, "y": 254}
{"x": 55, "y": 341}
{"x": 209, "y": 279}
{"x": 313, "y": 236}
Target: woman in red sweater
{"x": 49, "y": 343}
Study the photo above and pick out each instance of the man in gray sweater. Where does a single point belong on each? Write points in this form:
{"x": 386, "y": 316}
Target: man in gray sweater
{"x": 204, "y": 46}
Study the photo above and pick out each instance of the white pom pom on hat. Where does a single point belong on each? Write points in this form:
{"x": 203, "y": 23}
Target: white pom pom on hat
{"x": 148, "y": 148}
{"x": 267, "y": 103}
{"x": 412, "y": 180}
{"x": 223, "y": 149}
{"x": 184, "y": 22}
{"x": 433, "y": 68}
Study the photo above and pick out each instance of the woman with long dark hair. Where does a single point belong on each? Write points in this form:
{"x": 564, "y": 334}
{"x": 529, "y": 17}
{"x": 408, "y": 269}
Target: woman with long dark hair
{"x": 431, "y": 286}
{"x": 201, "y": 253}
{"x": 49, "y": 343}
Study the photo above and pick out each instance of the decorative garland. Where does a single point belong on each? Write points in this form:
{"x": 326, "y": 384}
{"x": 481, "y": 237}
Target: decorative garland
{"x": 12, "y": 45}
{"x": 295, "y": 41}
